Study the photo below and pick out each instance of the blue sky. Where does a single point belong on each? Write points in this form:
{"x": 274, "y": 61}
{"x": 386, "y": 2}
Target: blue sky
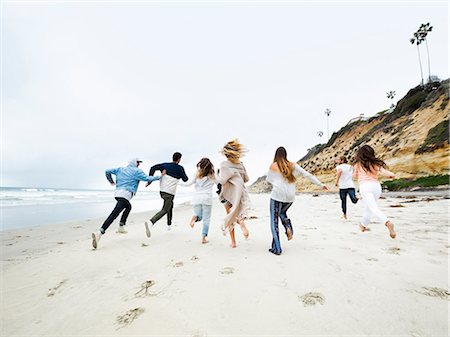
{"x": 85, "y": 86}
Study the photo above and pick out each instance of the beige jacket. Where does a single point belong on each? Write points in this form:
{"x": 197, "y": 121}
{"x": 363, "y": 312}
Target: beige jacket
{"x": 233, "y": 178}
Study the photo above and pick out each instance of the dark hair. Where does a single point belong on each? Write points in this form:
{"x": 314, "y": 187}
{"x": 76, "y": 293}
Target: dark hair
{"x": 176, "y": 156}
{"x": 344, "y": 159}
{"x": 205, "y": 168}
{"x": 367, "y": 159}
{"x": 286, "y": 168}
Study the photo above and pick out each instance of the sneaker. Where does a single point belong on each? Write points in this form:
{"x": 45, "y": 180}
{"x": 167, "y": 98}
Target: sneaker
{"x": 147, "y": 229}
{"x": 168, "y": 228}
{"x": 95, "y": 239}
{"x": 121, "y": 230}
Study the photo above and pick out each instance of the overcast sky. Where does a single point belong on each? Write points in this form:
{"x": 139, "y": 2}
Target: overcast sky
{"x": 85, "y": 86}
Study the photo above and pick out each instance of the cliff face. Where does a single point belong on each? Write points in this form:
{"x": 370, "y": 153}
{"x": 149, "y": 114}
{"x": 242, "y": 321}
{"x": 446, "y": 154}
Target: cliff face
{"x": 412, "y": 139}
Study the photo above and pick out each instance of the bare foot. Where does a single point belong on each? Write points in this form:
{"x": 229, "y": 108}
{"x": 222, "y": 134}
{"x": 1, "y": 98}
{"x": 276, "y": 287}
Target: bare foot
{"x": 244, "y": 230}
{"x": 390, "y": 226}
{"x": 344, "y": 216}
{"x": 362, "y": 228}
{"x": 204, "y": 239}
{"x": 289, "y": 234}
{"x": 233, "y": 245}
{"x": 193, "y": 220}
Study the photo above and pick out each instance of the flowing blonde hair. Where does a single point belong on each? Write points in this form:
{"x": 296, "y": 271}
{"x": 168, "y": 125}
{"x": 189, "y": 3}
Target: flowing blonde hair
{"x": 233, "y": 150}
{"x": 285, "y": 166}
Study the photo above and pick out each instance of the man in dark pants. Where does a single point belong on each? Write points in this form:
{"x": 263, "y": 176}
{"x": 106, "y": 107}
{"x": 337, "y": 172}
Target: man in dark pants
{"x": 127, "y": 182}
{"x": 345, "y": 182}
{"x": 168, "y": 187}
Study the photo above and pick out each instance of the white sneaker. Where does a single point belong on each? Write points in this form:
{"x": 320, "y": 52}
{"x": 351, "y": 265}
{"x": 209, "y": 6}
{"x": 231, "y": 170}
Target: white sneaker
{"x": 147, "y": 229}
{"x": 95, "y": 239}
{"x": 168, "y": 228}
{"x": 121, "y": 230}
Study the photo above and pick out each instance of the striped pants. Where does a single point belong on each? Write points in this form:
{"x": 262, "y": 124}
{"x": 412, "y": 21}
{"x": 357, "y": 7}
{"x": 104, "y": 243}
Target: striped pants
{"x": 278, "y": 209}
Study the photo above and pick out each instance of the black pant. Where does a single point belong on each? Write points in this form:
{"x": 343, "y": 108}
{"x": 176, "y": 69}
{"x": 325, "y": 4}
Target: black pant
{"x": 343, "y": 194}
{"x": 166, "y": 209}
{"x": 122, "y": 204}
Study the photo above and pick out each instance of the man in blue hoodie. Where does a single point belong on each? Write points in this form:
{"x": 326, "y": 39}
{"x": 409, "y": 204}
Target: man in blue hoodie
{"x": 168, "y": 187}
{"x": 127, "y": 182}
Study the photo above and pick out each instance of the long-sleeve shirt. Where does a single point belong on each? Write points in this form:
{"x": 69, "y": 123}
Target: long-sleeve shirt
{"x": 169, "y": 182}
{"x": 363, "y": 176}
{"x": 283, "y": 190}
{"x": 203, "y": 189}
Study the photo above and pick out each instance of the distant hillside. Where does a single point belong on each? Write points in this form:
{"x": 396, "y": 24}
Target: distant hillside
{"x": 413, "y": 139}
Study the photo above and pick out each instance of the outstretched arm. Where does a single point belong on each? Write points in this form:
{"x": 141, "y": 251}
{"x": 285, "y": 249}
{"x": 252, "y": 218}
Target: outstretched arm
{"x": 339, "y": 173}
{"x": 190, "y": 182}
{"x": 386, "y": 173}
{"x": 143, "y": 177}
{"x": 299, "y": 170}
{"x": 108, "y": 174}
{"x": 154, "y": 168}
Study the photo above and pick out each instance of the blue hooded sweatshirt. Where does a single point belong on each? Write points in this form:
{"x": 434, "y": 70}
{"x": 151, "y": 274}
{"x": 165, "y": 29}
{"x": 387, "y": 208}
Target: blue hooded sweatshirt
{"x": 128, "y": 178}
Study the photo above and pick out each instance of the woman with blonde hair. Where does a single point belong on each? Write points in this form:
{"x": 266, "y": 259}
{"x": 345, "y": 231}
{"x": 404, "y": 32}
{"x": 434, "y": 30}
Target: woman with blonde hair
{"x": 283, "y": 175}
{"x": 204, "y": 180}
{"x": 233, "y": 194}
{"x": 367, "y": 169}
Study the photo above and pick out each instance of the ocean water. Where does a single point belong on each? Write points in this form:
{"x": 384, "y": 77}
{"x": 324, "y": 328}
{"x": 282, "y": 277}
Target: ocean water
{"x": 28, "y": 207}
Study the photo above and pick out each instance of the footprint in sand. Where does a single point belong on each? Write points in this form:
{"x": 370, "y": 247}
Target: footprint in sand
{"x": 144, "y": 244}
{"x": 227, "y": 271}
{"x": 143, "y": 292}
{"x": 372, "y": 259}
{"x": 195, "y": 258}
{"x": 393, "y": 250}
{"x": 52, "y": 291}
{"x": 436, "y": 292}
{"x": 312, "y": 298}
{"x": 128, "y": 317}
{"x": 178, "y": 264}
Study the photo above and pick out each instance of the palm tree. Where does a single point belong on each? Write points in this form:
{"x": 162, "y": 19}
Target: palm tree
{"x": 328, "y": 113}
{"x": 391, "y": 95}
{"x": 416, "y": 40}
{"x": 423, "y": 31}
{"x": 421, "y": 36}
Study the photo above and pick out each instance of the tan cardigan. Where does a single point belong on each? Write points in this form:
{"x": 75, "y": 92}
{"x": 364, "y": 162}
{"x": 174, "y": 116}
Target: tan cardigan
{"x": 233, "y": 178}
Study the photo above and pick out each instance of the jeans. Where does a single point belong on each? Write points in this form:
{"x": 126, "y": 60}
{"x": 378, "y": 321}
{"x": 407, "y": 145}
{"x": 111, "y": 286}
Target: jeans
{"x": 278, "y": 209}
{"x": 343, "y": 194}
{"x": 371, "y": 192}
{"x": 203, "y": 212}
{"x": 122, "y": 204}
{"x": 166, "y": 209}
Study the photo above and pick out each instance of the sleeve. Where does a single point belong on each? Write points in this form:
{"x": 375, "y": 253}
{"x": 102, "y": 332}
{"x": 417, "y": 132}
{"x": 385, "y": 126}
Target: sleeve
{"x": 184, "y": 177}
{"x": 338, "y": 168}
{"x": 307, "y": 175}
{"x": 109, "y": 172}
{"x": 386, "y": 173}
{"x": 154, "y": 168}
{"x": 246, "y": 178}
{"x": 224, "y": 175}
{"x": 190, "y": 182}
{"x": 270, "y": 176}
{"x": 143, "y": 177}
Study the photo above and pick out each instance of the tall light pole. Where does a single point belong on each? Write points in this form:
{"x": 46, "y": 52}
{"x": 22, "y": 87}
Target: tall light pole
{"x": 328, "y": 113}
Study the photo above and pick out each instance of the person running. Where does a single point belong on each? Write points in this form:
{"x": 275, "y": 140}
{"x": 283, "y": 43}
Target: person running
{"x": 345, "y": 182}
{"x": 367, "y": 169}
{"x": 127, "y": 183}
{"x": 168, "y": 188}
{"x": 233, "y": 194}
{"x": 204, "y": 180}
{"x": 282, "y": 175}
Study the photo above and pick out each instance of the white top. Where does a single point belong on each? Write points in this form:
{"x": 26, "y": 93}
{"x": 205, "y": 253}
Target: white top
{"x": 346, "y": 180}
{"x": 123, "y": 194}
{"x": 168, "y": 184}
{"x": 203, "y": 189}
{"x": 283, "y": 190}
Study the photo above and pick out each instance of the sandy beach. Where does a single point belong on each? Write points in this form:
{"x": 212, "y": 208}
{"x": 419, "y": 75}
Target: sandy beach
{"x": 331, "y": 279}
